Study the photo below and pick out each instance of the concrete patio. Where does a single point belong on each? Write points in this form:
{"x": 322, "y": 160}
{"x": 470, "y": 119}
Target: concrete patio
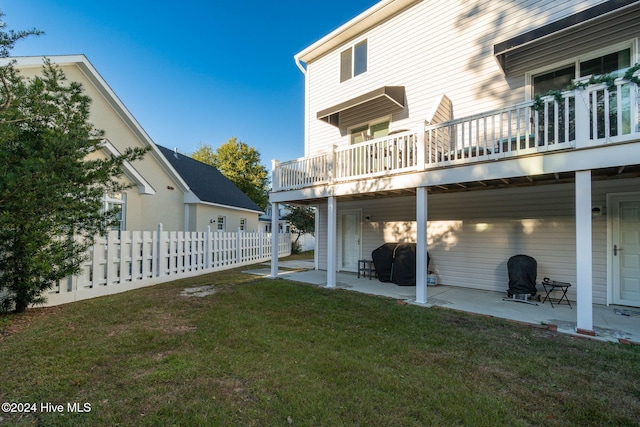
{"x": 608, "y": 325}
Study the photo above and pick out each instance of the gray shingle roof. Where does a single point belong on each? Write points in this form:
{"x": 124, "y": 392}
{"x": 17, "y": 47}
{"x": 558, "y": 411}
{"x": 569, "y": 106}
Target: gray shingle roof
{"x": 207, "y": 183}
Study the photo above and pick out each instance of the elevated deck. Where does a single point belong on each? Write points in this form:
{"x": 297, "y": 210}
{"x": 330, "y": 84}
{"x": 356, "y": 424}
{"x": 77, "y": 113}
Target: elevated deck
{"x": 593, "y": 128}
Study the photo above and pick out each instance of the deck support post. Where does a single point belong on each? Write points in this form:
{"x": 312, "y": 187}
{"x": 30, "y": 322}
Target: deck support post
{"x": 584, "y": 262}
{"x": 332, "y": 238}
{"x": 421, "y": 245}
{"x": 275, "y": 233}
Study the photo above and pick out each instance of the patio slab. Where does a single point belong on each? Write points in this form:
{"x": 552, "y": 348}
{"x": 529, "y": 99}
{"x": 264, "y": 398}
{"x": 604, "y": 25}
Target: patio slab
{"x": 608, "y": 325}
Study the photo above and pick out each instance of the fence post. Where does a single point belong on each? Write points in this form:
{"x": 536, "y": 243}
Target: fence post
{"x": 159, "y": 252}
{"x": 238, "y": 246}
{"x": 207, "y": 248}
{"x": 110, "y": 257}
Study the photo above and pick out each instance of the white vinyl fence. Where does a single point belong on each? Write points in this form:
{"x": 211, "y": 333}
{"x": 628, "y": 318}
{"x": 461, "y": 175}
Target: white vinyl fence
{"x": 125, "y": 260}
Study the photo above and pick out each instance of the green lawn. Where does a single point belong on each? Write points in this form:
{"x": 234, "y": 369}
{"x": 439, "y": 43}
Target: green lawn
{"x": 271, "y": 352}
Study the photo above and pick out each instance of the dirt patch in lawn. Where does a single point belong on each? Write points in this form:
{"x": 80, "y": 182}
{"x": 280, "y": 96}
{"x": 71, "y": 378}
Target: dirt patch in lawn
{"x": 198, "y": 291}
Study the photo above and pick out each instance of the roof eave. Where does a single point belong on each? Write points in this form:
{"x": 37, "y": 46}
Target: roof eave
{"x": 92, "y": 74}
{"x": 361, "y": 23}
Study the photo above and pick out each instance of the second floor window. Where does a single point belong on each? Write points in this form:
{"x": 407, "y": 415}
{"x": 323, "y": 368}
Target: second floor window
{"x": 561, "y": 78}
{"x": 353, "y": 61}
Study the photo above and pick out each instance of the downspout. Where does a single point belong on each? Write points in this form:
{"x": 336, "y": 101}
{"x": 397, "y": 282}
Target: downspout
{"x": 302, "y": 68}
{"x": 299, "y": 65}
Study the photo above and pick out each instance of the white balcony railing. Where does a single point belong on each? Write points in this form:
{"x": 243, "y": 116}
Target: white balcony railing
{"x": 303, "y": 172}
{"x": 582, "y": 118}
{"x": 396, "y": 153}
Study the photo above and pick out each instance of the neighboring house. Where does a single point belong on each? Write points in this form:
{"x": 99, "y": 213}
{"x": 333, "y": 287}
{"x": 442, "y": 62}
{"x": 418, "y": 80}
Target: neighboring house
{"x": 159, "y": 194}
{"x": 306, "y": 241}
{"x": 420, "y": 127}
{"x": 213, "y": 200}
{"x": 266, "y": 219}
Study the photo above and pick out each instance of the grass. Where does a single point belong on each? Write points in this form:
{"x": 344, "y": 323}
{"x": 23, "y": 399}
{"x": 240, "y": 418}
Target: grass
{"x": 272, "y": 352}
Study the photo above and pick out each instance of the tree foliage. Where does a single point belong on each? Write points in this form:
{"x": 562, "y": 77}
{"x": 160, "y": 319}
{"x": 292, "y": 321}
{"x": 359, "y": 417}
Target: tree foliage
{"x": 302, "y": 220}
{"x": 241, "y": 165}
{"x": 52, "y": 179}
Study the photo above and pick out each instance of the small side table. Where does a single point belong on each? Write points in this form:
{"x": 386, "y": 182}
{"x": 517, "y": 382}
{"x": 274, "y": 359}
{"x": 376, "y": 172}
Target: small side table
{"x": 366, "y": 266}
{"x": 551, "y": 285}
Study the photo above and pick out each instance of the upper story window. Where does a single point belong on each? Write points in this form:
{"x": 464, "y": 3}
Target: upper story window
{"x": 369, "y": 131}
{"x": 221, "y": 223}
{"x": 353, "y": 61}
{"x": 561, "y": 78}
{"x": 243, "y": 224}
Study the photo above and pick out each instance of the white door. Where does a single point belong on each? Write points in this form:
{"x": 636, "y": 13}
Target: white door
{"x": 349, "y": 240}
{"x": 625, "y": 213}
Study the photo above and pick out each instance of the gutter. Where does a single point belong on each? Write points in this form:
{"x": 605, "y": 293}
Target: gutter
{"x": 296, "y": 58}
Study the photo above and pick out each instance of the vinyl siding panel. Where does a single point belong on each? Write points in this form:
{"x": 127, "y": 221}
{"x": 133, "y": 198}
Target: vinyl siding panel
{"x": 434, "y": 48}
{"x": 471, "y": 235}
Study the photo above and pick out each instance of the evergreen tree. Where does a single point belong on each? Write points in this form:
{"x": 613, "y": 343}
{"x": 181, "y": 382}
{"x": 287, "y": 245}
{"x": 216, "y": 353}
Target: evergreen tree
{"x": 53, "y": 177}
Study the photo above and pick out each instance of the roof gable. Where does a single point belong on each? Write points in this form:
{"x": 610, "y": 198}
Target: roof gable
{"x": 207, "y": 183}
{"x": 95, "y": 80}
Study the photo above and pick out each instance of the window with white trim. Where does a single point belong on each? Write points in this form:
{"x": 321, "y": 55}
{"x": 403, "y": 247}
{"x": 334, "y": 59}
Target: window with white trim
{"x": 243, "y": 224}
{"x": 221, "y": 222}
{"x": 369, "y": 131}
{"x": 612, "y": 62}
{"x": 562, "y": 76}
{"x": 115, "y": 202}
{"x": 353, "y": 61}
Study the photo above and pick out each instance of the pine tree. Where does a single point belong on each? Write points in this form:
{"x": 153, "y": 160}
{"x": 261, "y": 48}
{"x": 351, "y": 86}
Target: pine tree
{"x": 53, "y": 177}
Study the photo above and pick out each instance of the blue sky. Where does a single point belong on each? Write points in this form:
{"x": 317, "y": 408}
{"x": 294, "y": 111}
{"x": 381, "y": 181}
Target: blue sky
{"x": 195, "y": 71}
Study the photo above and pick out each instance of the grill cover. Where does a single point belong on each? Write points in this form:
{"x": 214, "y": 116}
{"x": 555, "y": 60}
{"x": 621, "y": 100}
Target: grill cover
{"x": 396, "y": 263}
{"x": 523, "y": 271}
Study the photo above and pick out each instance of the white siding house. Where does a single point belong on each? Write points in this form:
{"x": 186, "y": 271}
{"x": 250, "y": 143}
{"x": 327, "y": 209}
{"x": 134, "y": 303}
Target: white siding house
{"x": 421, "y": 126}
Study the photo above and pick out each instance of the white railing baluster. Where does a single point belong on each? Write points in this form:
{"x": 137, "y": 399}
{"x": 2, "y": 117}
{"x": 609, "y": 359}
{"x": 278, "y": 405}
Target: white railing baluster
{"x": 580, "y": 119}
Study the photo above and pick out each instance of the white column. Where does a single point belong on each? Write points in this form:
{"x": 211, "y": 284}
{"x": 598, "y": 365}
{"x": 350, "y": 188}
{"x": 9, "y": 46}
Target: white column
{"x": 421, "y": 245}
{"x": 316, "y": 227}
{"x": 275, "y": 230}
{"x": 332, "y": 238}
{"x": 584, "y": 244}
